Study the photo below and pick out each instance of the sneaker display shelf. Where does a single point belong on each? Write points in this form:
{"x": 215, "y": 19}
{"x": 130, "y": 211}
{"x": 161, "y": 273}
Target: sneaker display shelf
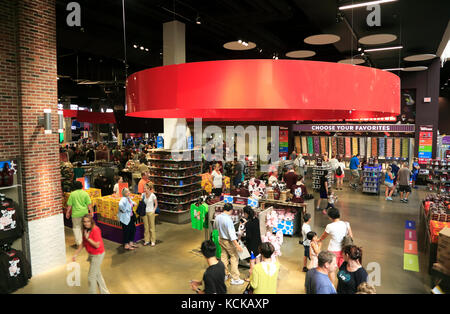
{"x": 318, "y": 171}
{"x": 439, "y": 175}
{"x": 177, "y": 183}
{"x": 371, "y": 179}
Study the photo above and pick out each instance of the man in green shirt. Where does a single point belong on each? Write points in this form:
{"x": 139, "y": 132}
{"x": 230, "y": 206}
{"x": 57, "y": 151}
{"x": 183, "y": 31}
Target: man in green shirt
{"x": 79, "y": 204}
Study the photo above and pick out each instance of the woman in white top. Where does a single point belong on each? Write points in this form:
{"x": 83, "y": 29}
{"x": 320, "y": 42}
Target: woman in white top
{"x": 217, "y": 180}
{"x": 273, "y": 178}
{"x": 337, "y": 230}
{"x": 151, "y": 203}
{"x": 339, "y": 177}
{"x": 116, "y": 186}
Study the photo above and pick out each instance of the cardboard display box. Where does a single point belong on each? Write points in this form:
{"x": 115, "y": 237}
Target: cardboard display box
{"x": 443, "y": 251}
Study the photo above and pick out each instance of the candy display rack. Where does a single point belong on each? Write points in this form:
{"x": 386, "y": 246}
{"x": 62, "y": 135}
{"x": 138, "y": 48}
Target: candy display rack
{"x": 372, "y": 176}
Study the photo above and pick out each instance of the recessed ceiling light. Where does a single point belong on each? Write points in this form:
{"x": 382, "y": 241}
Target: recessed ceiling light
{"x": 142, "y": 48}
{"x": 135, "y": 46}
{"x": 377, "y": 39}
{"x": 382, "y": 49}
{"x": 300, "y": 54}
{"x": 322, "y": 39}
{"x": 352, "y": 61}
{"x": 420, "y": 57}
{"x": 146, "y": 49}
{"x": 411, "y": 69}
{"x": 236, "y": 45}
{"x": 240, "y": 41}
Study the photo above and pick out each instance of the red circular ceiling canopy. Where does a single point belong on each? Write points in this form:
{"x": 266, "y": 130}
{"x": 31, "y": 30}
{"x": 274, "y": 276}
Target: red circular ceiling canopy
{"x": 255, "y": 90}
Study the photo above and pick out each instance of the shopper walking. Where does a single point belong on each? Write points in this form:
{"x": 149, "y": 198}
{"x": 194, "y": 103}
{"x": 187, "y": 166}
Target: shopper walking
{"x": 323, "y": 191}
{"x": 144, "y": 180}
{"x": 299, "y": 165}
{"x": 228, "y": 243}
{"x": 252, "y": 237}
{"x": 127, "y": 220}
{"x": 290, "y": 177}
{"x": 337, "y": 230}
{"x": 404, "y": 175}
{"x": 216, "y": 180}
{"x": 317, "y": 279}
{"x": 151, "y": 203}
{"x": 273, "y": 178}
{"x": 93, "y": 242}
{"x": 315, "y": 247}
{"x": 415, "y": 172}
{"x": 395, "y": 169}
{"x": 354, "y": 163}
{"x": 389, "y": 183}
{"x": 351, "y": 273}
{"x": 306, "y": 228}
{"x": 214, "y": 276}
{"x": 340, "y": 174}
{"x": 264, "y": 276}
{"x": 79, "y": 204}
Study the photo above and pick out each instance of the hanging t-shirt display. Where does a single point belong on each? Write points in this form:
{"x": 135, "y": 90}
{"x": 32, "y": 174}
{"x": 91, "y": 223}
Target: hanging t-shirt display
{"x": 310, "y": 146}
{"x": 381, "y": 147}
{"x": 198, "y": 214}
{"x": 348, "y": 147}
{"x": 334, "y": 150}
{"x": 304, "y": 145}
{"x": 341, "y": 147}
{"x": 369, "y": 147}
{"x": 405, "y": 147}
{"x": 389, "y": 148}
{"x": 374, "y": 147}
{"x": 298, "y": 193}
{"x": 316, "y": 145}
{"x": 11, "y": 222}
{"x": 362, "y": 146}
{"x": 14, "y": 271}
{"x": 397, "y": 148}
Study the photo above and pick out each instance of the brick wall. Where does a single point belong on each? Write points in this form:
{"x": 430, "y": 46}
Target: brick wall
{"x": 28, "y": 85}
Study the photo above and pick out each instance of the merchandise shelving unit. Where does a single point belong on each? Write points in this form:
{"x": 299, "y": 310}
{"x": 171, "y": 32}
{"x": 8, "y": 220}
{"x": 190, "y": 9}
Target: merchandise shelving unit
{"x": 177, "y": 184}
{"x": 439, "y": 175}
{"x": 372, "y": 176}
{"x": 318, "y": 171}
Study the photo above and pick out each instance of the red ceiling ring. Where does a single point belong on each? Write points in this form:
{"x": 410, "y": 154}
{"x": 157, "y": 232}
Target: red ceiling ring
{"x": 253, "y": 90}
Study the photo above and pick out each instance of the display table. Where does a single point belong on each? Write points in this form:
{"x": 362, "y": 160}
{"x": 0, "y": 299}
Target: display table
{"x": 286, "y": 224}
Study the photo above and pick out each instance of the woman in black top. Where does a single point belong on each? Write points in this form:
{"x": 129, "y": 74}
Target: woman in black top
{"x": 252, "y": 237}
{"x": 351, "y": 273}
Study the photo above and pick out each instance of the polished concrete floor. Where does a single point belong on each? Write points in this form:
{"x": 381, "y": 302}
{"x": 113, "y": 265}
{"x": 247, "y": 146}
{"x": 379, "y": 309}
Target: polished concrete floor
{"x": 378, "y": 226}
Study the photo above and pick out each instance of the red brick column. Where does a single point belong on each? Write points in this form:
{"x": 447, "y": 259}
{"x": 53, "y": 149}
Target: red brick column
{"x": 28, "y": 85}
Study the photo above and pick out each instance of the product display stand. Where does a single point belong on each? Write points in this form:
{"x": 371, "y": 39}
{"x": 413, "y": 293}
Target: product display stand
{"x": 372, "y": 176}
{"x": 177, "y": 183}
{"x": 318, "y": 171}
{"x": 439, "y": 175}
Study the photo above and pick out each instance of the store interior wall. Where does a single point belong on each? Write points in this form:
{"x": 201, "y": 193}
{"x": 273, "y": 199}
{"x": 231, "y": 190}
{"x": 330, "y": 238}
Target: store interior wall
{"x": 426, "y": 84}
{"x": 444, "y": 115}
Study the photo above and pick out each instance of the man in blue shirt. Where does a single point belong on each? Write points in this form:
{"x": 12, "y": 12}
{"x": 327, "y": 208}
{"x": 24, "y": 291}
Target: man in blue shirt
{"x": 354, "y": 163}
{"x": 317, "y": 280}
{"x": 228, "y": 242}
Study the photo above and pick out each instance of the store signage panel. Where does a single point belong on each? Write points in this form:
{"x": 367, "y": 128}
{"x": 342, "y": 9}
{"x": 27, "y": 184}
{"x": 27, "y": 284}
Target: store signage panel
{"x": 425, "y": 143}
{"x": 354, "y": 127}
{"x": 446, "y": 140}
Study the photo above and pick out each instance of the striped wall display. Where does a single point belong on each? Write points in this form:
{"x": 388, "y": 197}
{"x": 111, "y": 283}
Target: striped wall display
{"x": 354, "y": 146}
{"x": 397, "y": 148}
{"x": 316, "y": 145}
{"x": 410, "y": 252}
{"x": 374, "y": 147}
{"x": 348, "y": 147}
{"x": 362, "y": 146}
{"x": 304, "y": 145}
{"x": 381, "y": 147}
{"x": 310, "y": 145}
{"x": 323, "y": 144}
{"x": 334, "y": 150}
{"x": 298, "y": 147}
{"x": 405, "y": 147}
{"x": 389, "y": 148}
{"x": 341, "y": 146}
{"x": 369, "y": 147}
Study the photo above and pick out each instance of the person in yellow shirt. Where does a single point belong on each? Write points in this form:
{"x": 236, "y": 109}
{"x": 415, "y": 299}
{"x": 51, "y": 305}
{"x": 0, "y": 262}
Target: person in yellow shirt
{"x": 264, "y": 276}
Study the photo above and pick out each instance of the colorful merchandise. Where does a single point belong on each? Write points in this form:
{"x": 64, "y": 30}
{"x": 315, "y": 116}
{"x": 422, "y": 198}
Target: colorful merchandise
{"x": 341, "y": 147}
{"x": 198, "y": 214}
{"x": 369, "y": 147}
{"x": 381, "y": 147}
{"x": 310, "y": 145}
{"x": 389, "y": 148}
{"x": 323, "y": 144}
{"x": 334, "y": 150}
{"x": 304, "y": 145}
{"x": 348, "y": 147}
{"x": 374, "y": 147}
{"x": 405, "y": 148}
{"x": 362, "y": 147}
{"x": 397, "y": 148}
{"x": 354, "y": 146}
{"x": 316, "y": 145}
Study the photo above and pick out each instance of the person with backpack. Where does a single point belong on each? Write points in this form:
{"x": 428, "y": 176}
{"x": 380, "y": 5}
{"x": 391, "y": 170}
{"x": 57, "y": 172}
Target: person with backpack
{"x": 340, "y": 174}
